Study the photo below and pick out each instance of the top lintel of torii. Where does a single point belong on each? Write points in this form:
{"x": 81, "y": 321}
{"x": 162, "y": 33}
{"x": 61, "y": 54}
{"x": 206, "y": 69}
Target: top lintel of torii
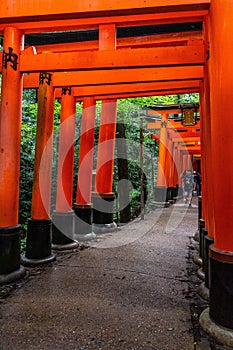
{"x": 41, "y": 15}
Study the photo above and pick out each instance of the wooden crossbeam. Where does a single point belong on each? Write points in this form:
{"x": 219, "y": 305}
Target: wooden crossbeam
{"x": 137, "y": 89}
{"x": 191, "y": 149}
{"x": 100, "y": 92}
{"x": 54, "y": 9}
{"x": 172, "y": 124}
{"x": 40, "y": 25}
{"x": 124, "y": 58}
{"x": 47, "y": 16}
{"x": 155, "y": 40}
{"x": 151, "y": 112}
{"x": 119, "y": 76}
{"x": 180, "y": 135}
{"x": 145, "y": 94}
{"x": 186, "y": 139}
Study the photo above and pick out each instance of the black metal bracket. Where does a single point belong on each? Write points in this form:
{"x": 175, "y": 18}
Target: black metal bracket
{"x": 45, "y": 78}
{"x": 9, "y": 57}
{"x": 66, "y": 89}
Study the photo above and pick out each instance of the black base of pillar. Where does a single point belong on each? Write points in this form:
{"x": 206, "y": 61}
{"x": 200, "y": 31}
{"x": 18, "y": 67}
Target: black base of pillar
{"x": 38, "y": 244}
{"x": 9, "y": 249}
{"x": 83, "y": 222}
{"x": 10, "y": 268}
{"x": 221, "y": 287}
{"x": 161, "y": 194}
{"x": 36, "y": 262}
{"x": 12, "y": 276}
{"x": 174, "y": 193}
{"x": 201, "y": 240}
{"x": 199, "y": 210}
{"x": 204, "y": 233}
{"x": 222, "y": 334}
{"x": 207, "y": 242}
{"x": 63, "y": 231}
{"x": 103, "y": 208}
{"x": 169, "y": 194}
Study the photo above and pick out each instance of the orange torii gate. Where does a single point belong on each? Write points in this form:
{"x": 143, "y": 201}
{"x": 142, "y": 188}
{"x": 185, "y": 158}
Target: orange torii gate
{"x": 25, "y": 16}
{"x": 64, "y": 79}
{"x": 31, "y": 81}
{"x": 54, "y": 16}
{"x": 171, "y": 165}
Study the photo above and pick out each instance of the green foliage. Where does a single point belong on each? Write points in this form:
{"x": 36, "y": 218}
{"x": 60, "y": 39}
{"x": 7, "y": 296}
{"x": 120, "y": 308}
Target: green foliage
{"x": 28, "y": 136}
{"x": 189, "y": 98}
{"x": 129, "y": 111}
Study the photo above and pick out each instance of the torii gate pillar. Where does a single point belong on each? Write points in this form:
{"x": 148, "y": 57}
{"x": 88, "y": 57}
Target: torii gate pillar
{"x": 103, "y": 197}
{"x": 221, "y": 89}
{"x": 83, "y": 207}
{"x": 39, "y": 235}
{"x": 161, "y": 185}
{"x": 63, "y": 216}
{"x": 176, "y": 168}
{"x": 169, "y": 171}
{"x": 10, "y": 130}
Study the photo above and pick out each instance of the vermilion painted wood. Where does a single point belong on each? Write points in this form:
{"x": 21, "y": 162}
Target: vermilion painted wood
{"x": 186, "y": 139}
{"x": 204, "y": 152}
{"x": 175, "y": 164}
{"x": 10, "y": 130}
{"x": 144, "y": 94}
{"x": 106, "y": 143}
{"x": 171, "y": 124}
{"x": 161, "y": 179}
{"x": 156, "y": 40}
{"x": 134, "y": 88}
{"x": 109, "y": 59}
{"x": 38, "y": 25}
{"x": 89, "y": 8}
{"x": 120, "y": 76}
{"x": 65, "y": 169}
{"x": 107, "y": 131}
{"x": 182, "y": 135}
{"x": 207, "y": 153}
{"x": 84, "y": 185}
{"x": 191, "y": 148}
{"x": 169, "y": 164}
{"x": 41, "y": 191}
{"x": 89, "y": 60}
{"x": 221, "y": 56}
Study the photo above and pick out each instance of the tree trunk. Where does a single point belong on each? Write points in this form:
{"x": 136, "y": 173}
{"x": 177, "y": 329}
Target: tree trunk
{"x": 123, "y": 174}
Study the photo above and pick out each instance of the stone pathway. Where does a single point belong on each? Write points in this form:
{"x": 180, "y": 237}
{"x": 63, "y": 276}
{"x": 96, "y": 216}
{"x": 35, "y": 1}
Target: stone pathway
{"x": 129, "y": 290}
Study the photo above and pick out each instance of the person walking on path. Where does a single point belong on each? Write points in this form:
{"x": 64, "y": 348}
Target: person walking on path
{"x": 187, "y": 183}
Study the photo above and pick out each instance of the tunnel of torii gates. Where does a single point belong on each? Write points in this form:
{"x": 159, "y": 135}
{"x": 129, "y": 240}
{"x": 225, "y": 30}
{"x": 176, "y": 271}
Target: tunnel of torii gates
{"x": 108, "y": 68}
